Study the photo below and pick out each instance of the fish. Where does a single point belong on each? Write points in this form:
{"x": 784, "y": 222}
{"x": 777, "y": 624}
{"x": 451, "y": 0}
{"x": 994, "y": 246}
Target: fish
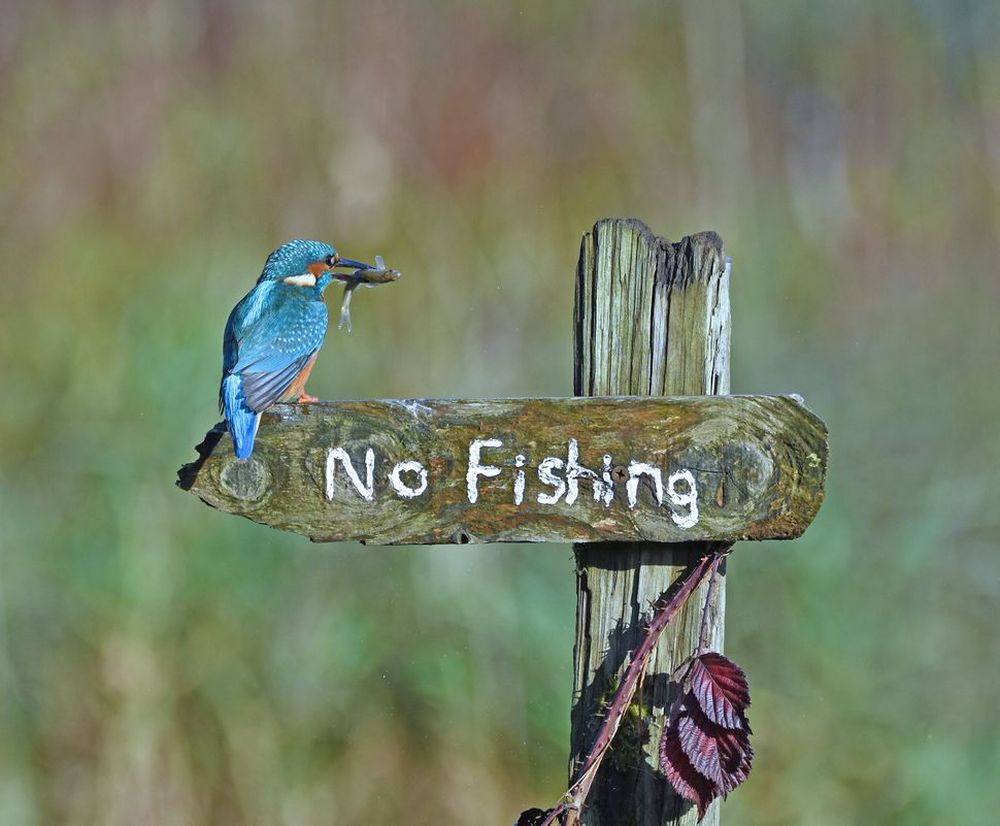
{"x": 363, "y": 277}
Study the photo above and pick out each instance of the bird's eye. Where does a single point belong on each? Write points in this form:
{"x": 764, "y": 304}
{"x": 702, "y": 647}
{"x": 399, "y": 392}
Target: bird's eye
{"x": 331, "y": 260}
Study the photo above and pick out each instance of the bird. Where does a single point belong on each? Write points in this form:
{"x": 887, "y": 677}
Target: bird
{"x": 274, "y": 333}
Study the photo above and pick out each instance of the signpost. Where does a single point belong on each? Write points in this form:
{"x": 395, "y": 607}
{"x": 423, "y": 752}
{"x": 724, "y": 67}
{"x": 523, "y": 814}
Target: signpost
{"x": 656, "y": 464}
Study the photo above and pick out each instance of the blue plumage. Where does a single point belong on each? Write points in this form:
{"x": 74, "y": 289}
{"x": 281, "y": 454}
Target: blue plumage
{"x": 240, "y": 417}
{"x": 273, "y": 334}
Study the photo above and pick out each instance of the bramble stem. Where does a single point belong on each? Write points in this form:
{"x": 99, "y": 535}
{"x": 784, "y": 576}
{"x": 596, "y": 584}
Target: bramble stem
{"x": 668, "y": 604}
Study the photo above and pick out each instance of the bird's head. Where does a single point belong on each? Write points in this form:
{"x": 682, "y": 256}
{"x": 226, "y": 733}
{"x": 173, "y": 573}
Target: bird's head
{"x": 306, "y": 264}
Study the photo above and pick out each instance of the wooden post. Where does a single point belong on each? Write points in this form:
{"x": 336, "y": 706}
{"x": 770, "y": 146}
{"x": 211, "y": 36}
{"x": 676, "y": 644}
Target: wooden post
{"x": 651, "y": 319}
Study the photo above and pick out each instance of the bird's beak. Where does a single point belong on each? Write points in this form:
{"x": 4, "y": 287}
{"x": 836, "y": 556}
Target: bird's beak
{"x": 350, "y": 262}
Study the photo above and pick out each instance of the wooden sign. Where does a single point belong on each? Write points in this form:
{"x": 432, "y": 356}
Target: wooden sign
{"x": 525, "y": 470}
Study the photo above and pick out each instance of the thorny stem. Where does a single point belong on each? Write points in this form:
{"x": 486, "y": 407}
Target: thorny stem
{"x": 669, "y": 603}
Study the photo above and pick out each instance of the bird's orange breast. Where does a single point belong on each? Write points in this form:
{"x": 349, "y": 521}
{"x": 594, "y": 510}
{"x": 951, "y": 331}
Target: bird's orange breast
{"x": 298, "y": 385}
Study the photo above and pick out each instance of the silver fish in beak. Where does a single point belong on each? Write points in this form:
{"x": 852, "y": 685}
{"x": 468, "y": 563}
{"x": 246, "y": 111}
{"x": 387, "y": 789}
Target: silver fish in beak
{"x": 366, "y": 276}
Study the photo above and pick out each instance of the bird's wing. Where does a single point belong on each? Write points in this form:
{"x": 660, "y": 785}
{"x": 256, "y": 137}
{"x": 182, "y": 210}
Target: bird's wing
{"x": 265, "y": 388}
{"x": 269, "y": 339}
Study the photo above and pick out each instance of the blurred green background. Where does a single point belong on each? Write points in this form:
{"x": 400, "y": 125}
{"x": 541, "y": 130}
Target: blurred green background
{"x": 162, "y": 663}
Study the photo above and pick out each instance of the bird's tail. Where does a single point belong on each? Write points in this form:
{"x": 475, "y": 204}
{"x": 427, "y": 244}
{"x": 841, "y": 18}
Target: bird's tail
{"x": 241, "y": 419}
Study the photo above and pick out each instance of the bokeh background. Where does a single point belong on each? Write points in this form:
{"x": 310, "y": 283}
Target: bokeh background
{"x": 161, "y": 663}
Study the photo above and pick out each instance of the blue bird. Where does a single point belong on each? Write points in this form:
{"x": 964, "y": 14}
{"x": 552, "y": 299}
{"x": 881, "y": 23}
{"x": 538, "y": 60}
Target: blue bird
{"x": 274, "y": 334}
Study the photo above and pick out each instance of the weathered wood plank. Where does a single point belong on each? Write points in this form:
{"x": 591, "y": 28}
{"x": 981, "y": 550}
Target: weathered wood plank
{"x": 757, "y": 466}
{"x": 652, "y": 318}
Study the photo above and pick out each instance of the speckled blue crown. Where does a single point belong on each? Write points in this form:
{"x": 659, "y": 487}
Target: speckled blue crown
{"x": 292, "y": 257}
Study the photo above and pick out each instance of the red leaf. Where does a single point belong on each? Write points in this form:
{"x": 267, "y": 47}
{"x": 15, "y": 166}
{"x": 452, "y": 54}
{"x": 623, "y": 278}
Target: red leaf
{"x": 705, "y": 751}
{"x": 735, "y": 756}
{"x": 720, "y": 686}
{"x": 687, "y": 782}
{"x": 700, "y": 747}
{"x": 720, "y": 754}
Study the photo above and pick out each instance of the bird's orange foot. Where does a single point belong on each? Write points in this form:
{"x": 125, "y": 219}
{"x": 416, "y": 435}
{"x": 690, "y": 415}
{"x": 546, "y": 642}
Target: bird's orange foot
{"x": 305, "y": 398}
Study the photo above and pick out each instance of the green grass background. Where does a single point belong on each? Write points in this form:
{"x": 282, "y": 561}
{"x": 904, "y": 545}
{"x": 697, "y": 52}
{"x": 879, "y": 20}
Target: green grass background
{"x": 162, "y": 663}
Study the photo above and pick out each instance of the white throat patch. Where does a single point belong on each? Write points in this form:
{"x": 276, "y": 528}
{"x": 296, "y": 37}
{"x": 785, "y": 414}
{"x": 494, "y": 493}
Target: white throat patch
{"x": 306, "y": 279}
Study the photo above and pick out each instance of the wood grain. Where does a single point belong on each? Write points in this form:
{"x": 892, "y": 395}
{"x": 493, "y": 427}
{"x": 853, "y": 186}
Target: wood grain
{"x": 758, "y": 463}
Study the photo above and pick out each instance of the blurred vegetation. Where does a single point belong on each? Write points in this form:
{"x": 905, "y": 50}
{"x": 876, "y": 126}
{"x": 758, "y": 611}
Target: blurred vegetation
{"x": 161, "y": 663}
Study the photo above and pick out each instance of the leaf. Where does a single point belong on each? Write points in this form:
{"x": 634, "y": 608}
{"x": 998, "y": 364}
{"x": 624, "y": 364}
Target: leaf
{"x": 705, "y": 751}
{"x": 700, "y": 746}
{"x": 686, "y": 780}
{"x": 722, "y": 755}
{"x": 735, "y": 756}
{"x": 721, "y": 688}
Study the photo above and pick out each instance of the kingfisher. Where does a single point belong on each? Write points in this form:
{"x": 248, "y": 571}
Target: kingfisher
{"x": 274, "y": 333}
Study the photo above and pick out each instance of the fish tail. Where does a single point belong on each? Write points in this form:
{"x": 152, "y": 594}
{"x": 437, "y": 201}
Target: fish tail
{"x": 242, "y": 421}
